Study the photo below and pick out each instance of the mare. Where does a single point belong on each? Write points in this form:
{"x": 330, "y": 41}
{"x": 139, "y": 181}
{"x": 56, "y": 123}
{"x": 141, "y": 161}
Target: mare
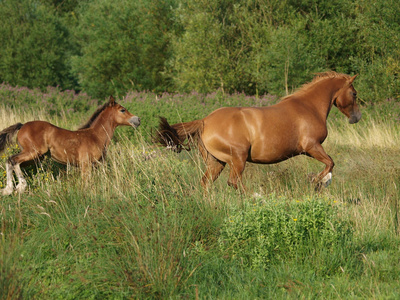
{"x": 266, "y": 135}
{"x": 81, "y": 148}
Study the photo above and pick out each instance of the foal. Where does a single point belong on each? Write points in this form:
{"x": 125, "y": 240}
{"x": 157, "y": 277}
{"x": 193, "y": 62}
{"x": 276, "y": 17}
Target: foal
{"x": 81, "y": 148}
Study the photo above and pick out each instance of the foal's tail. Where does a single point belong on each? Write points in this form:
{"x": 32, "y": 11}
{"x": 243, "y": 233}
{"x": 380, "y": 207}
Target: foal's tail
{"x": 174, "y": 136}
{"x": 6, "y": 135}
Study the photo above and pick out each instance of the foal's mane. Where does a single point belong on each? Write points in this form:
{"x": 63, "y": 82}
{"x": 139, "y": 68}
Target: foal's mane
{"x": 317, "y": 78}
{"x": 94, "y": 116}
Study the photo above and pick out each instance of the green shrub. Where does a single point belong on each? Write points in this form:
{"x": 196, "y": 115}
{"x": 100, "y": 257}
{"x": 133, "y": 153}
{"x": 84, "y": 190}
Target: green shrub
{"x": 255, "y": 46}
{"x": 35, "y": 46}
{"x": 123, "y": 46}
{"x": 278, "y": 229}
{"x": 275, "y": 46}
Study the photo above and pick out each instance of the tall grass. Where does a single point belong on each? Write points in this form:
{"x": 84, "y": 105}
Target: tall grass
{"x": 141, "y": 227}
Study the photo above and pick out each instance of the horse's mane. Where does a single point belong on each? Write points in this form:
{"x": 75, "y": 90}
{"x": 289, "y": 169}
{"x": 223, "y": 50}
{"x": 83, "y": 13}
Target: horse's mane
{"x": 317, "y": 78}
{"x": 94, "y": 116}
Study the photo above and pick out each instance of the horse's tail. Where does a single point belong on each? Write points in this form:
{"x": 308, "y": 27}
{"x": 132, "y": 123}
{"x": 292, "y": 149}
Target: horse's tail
{"x": 174, "y": 136}
{"x": 6, "y": 135}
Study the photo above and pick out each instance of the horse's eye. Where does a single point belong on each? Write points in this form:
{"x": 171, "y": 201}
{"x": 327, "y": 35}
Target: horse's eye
{"x": 122, "y": 110}
{"x": 354, "y": 94}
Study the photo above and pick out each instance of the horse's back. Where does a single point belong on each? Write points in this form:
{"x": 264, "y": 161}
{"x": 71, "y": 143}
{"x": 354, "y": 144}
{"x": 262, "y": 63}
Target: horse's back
{"x": 248, "y": 122}
{"x": 33, "y": 130}
{"x": 34, "y": 134}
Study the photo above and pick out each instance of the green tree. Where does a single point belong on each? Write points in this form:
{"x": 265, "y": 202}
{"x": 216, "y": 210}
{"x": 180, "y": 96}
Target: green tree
{"x": 254, "y": 46}
{"x": 260, "y": 46}
{"x": 35, "y": 46}
{"x": 123, "y": 46}
{"x": 378, "y": 44}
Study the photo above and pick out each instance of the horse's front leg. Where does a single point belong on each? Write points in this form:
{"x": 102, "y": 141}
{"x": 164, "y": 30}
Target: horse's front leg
{"x": 86, "y": 170}
{"x": 237, "y": 166}
{"x": 9, "y": 172}
{"x": 325, "y": 177}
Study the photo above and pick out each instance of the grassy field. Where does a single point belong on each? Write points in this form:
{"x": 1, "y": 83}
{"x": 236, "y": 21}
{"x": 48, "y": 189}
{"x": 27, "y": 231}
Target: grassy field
{"x": 141, "y": 227}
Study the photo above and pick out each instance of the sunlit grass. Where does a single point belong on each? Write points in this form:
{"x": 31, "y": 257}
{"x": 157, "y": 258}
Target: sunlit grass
{"x": 140, "y": 226}
{"x": 374, "y": 134}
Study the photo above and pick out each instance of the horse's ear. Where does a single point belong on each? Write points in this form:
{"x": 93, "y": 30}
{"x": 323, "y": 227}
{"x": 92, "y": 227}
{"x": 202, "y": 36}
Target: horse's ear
{"x": 352, "y": 78}
{"x": 111, "y": 102}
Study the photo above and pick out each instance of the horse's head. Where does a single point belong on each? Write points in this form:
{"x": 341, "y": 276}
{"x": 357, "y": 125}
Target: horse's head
{"x": 345, "y": 101}
{"x": 121, "y": 115}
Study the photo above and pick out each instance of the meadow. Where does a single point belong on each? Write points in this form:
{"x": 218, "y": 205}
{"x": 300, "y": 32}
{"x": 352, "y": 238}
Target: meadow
{"x": 140, "y": 225}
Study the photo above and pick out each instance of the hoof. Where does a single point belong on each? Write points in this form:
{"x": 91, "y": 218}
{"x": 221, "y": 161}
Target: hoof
{"x": 326, "y": 181}
{"x": 21, "y": 187}
{"x": 323, "y": 183}
{"x": 7, "y": 191}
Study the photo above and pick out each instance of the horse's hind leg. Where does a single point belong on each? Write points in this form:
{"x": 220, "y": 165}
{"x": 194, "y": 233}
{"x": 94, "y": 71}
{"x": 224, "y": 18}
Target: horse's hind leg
{"x": 21, "y": 180}
{"x": 214, "y": 168}
{"x": 14, "y": 163}
{"x": 9, "y": 185}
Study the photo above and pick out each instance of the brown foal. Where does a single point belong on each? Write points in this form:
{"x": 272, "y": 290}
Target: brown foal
{"x": 81, "y": 148}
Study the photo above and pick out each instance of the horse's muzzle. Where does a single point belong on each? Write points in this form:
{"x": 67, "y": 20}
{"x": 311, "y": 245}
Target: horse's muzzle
{"x": 134, "y": 121}
{"x": 355, "y": 117}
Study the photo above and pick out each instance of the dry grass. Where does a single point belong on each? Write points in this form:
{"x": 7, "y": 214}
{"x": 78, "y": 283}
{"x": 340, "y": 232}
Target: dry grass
{"x": 374, "y": 134}
{"x": 162, "y": 214}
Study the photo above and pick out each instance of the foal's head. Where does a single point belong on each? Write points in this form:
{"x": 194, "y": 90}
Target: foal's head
{"x": 345, "y": 101}
{"x": 120, "y": 115}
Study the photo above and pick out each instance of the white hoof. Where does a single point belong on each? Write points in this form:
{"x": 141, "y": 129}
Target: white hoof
{"x": 326, "y": 181}
{"x": 7, "y": 191}
{"x": 21, "y": 186}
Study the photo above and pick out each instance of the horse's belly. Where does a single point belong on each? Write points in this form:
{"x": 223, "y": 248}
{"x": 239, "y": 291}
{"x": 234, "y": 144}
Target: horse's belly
{"x": 269, "y": 159}
{"x": 74, "y": 153}
{"x": 64, "y": 157}
{"x": 271, "y": 154}
{"x": 255, "y": 135}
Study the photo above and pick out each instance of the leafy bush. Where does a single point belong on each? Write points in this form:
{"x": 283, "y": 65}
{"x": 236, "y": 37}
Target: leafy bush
{"x": 123, "y": 46}
{"x": 255, "y": 46}
{"x": 271, "y": 46}
{"x": 35, "y": 46}
{"x": 278, "y": 229}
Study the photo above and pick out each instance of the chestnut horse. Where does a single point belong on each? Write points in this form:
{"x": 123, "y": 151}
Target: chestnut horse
{"x": 266, "y": 135}
{"x": 81, "y": 148}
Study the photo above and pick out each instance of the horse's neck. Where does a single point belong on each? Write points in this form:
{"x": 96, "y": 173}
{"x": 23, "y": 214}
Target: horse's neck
{"x": 104, "y": 128}
{"x": 321, "y": 96}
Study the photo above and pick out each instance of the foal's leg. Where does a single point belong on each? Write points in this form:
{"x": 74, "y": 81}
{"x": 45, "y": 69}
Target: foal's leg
{"x": 9, "y": 185}
{"x": 16, "y": 161}
{"x": 21, "y": 180}
{"x": 325, "y": 177}
{"x": 86, "y": 170}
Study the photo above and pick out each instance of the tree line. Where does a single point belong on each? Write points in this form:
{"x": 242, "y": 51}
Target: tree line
{"x": 105, "y": 47}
